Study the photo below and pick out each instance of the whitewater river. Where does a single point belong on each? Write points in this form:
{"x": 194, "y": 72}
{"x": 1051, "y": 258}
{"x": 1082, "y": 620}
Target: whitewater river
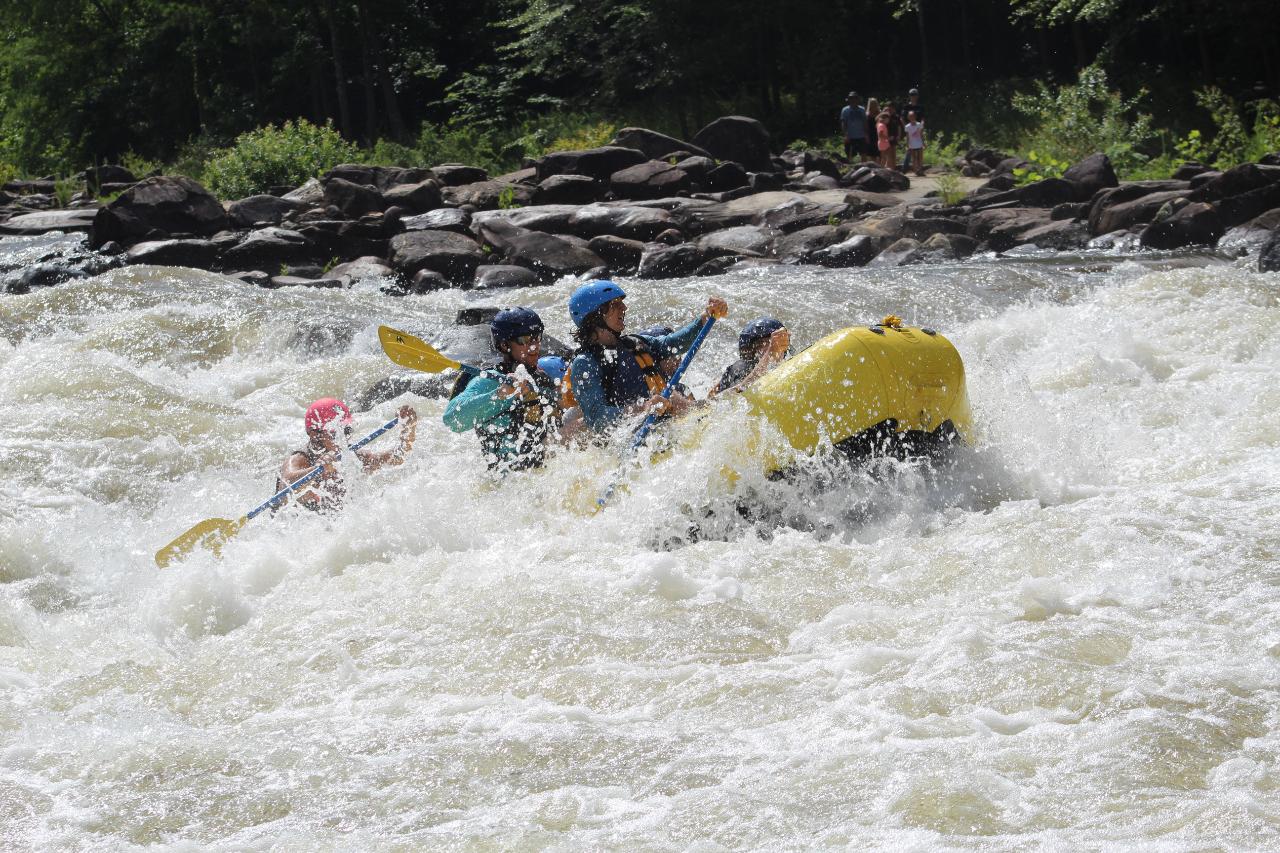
{"x": 1070, "y": 642}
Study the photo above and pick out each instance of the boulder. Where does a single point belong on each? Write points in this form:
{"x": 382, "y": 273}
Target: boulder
{"x": 737, "y": 138}
{"x": 876, "y": 179}
{"x": 899, "y": 254}
{"x": 1091, "y": 174}
{"x": 1269, "y": 256}
{"x": 78, "y": 220}
{"x": 856, "y": 251}
{"x": 415, "y": 198}
{"x": 819, "y": 181}
{"x": 661, "y": 261}
{"x": 1062, "y": 235}
{"x": 269, "y": 249}
{"x": 549, "y": 218}
{"x": 989, "y": 157}
{"x": 766, "y": 182}
{"x": 346, "y": 239}
{"x": 1008, "y": 164}
{"x": 1196, "y": 224}
{"x": 257, "y": 209}
{"x": 454, "y": 256}
{"x": 631, "y": 222}
{"x": 326, "y": 282}
{"x": 941, "y": 247}
{"x": 504, "y": 275}
{"x": 456, "y": 174}
{"x": 548, "y": 256}
{"x": 1250, "y": 237}
{"x": 363, "y": 268}
{"x": 310, "y": 193}
{"x": 726, "y": 176}
{"x": 569, "y": 189}
{"x": 199, "y": 254}
{"x": 380, "y": 177}
{"x": 653, "y": 179}
{"x": 618, "y": 252}
{"x": 743, "y": 238}
{"x": 1236, "y": 181}
{"x": 1070, "y": 210}
{"x": 816, "y": 161}
{"x": 100, "y": 176}
{"x": 597, "y": 163}
{"x": 520, "y": 176}
{"x": 156, "y": 208}
{"x": 28, "y": 278}
{"x": 923, "y": 229}
{"x": 1189, "y": 170}
{"x": 443, "y": 219}
{"x": 354, "y": 200}
{"x": 425, "y": 281}
{"x": 800, "y": 213}
{"x": 798, "y": 247}
{"x": 489, "y": 195}
{"x": 697, "y": 167}
{"x": 1118, "y": 208}
{"x": 739, "y": 211}
{"x": 1203, "y": 178}
{"x": 670, "y": 237}
{"x": 654, "y": 145}
{"x": 1238, "y": 209}
{"x": 1002, "y": 228}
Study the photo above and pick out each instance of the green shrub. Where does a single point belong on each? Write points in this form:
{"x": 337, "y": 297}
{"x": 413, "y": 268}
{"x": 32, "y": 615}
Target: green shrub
{"x": 192, "y": 156}
{"x": 271, "y": 156}
{"x": 1072, "y": 122}
{"x": 1233, "y": 142}
{"x": 64, "y": 189}
{"x": 950, "y": 189}
{"x": 8, "y": 172}
{"x": 140, "y": 166}
{"x": 943, "y": 151}
{"x": 388, "y": 153}
{"x": 591, "y": 135}
{"x": 1042, "y": 166}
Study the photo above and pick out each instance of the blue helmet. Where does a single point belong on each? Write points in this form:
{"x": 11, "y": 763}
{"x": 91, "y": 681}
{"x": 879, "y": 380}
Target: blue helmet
{"x": 553, "y": 365}
{"x": 591, "y": 297}
{"x": 756, "y": 331}
{"x": 513, "y": 322}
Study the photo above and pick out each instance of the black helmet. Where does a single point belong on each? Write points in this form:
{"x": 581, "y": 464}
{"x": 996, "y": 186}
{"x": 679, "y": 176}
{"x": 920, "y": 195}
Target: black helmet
{"x": 756, "y": 331}
{"x": 513, "y": 322}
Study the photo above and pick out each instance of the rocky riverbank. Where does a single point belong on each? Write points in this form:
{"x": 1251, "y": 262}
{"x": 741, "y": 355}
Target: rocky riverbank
{"x": 647, "y": 205}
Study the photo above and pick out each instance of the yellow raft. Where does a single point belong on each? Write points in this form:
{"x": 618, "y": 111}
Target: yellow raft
{"x": 863, "y": 389}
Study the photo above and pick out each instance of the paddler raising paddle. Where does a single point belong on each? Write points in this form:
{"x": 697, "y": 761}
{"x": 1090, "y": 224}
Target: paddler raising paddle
{"x": 614, "y": 374}
{"x": 328, "y": 424}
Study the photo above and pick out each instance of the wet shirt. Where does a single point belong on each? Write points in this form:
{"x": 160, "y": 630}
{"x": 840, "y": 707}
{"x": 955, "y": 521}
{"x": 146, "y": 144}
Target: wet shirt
{"x": 735, "y": 373}
{"x": 513, "y": 430}
{"x": 606, "y": 381}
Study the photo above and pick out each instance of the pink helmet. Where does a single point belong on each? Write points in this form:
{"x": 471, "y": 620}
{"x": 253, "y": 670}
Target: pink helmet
{"x": 326, "y": 413}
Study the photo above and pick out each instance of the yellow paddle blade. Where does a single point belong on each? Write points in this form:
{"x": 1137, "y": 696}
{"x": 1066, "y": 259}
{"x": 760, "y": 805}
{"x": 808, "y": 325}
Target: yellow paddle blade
{"x": 414, "y": 353}
{"x": 212, "y": 533}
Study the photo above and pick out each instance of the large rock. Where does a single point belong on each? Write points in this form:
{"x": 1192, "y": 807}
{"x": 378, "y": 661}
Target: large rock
{"x": 597, "y": 163}
{"x": 743, "y": 238}
{"x": 737, "y": 138}
{"x": 1238, "y": 209}
{"x": 444, "y": 219}
{"x": 270, "y": 248}
{"x": 630, "y": 221}
{"x": 740, "y": 211}
{"x": 1118, "y": 208}
{"x": 258, "y": 209}
{"x": 1002, "y": 228}
{"x": 310, "y": 193}
{"x": 856, "y": 251}
{"x": 381, "y": 177}
{"x": 1269, "y": 257}
{"x": 550, "y": 257}
{"x": 1091, "y": 174}
{"x": 1061, "y": 235}
{"x": 697, "y": 168}
{"x": 801, "y": 213}
{"x": 618, "y": 252}
{"x": 456, "y": 174}
{"x": 504, "y": 275}
{"x": 157, "y": 208}
{"x": 78, "y": 220}
{"x": 455, "y": 256}
{"x": 354, "y": 200}
{"x": 661, "y": 261}
{"x": 550, "y": 218}
{"x": 1196, "y": 224}
{"x": 1235, "y": 181}
{"x": 1250, "y": 237}
{"x": 421, "y": 197}
{"x": 899, "y": 254}
{"x": 654, "y": 145}
{"x": 798, "y": 247}
{"x": 726, "y": 177}
{"x": 1049, "y": 192}
{"x": 199, "y": 254}
{"x": 363, "y": 268}
{"x": 569, "y": 189}
{"x": 489, "y": 195}
{"x": 924, "y": 228}
{"x": 876, "y": 179}
{"x": 654, "y": 179}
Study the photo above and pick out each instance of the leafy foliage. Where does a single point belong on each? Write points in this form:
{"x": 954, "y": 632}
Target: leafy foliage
{"x": 1042, "y": 166}
{"x": 950, "y": 188}
{"x": 272, "y": 156}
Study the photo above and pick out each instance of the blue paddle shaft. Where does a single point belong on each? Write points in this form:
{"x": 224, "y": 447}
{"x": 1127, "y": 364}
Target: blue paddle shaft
{"x": 315, "y": 472}
{"x": 651, "y": 419}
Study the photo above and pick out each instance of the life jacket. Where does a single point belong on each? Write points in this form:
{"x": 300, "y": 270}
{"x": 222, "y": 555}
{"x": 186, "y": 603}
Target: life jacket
{"x": 330, "y": 494}
{"x": 567, "y": 400}
{"x": 526, "y": 427}
{"x": 735, "y": 373}
{"x": 645, "y": 357}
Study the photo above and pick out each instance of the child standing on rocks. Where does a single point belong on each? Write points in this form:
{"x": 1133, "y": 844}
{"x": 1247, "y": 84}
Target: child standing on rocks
{"x": 915, "y": 142}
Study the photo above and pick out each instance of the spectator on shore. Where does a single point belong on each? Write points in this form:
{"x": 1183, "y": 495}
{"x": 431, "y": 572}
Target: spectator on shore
{"x": 873, "y": 113}
{"x": 882, "y": 140}
{"x": 896, "y": 133}
{"x": 915, "y": 143}
{"x": 853, "y": 122}
{"x": 913, "y": 105}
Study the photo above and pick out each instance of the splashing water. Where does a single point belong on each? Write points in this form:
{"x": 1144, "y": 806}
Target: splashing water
{"x": 1066, "y": 638}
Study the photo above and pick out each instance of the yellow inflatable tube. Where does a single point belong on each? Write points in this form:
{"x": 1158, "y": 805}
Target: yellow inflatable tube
{"x": 894, "y": 379}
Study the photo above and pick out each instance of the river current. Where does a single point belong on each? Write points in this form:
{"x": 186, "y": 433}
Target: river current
{"x": 1069, "y": 642}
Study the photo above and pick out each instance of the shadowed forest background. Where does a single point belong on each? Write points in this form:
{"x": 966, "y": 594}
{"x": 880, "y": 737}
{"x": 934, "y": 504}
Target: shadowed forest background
{"x": 170, "y": 84}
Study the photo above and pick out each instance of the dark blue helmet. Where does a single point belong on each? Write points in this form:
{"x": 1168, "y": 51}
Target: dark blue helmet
{"x": 755, "y": 332}
{"x": 513, "y": 322}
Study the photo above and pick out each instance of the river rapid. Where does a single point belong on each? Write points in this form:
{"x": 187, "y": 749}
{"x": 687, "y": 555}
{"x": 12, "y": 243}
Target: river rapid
{"x": 1068, "y": 642}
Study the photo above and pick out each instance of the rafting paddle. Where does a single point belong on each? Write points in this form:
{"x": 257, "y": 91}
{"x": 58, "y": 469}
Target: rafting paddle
{"x": 643, "y": 432}
{"x": 213, "y": 533}
{"x": 416, "y": 354}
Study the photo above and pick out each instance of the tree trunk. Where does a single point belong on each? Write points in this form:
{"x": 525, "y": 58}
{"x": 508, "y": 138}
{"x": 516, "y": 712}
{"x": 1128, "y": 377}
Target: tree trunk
{"x": 924, "y": 41}
{"x": 366, "y": 73}
{"x": 339, "y": 73}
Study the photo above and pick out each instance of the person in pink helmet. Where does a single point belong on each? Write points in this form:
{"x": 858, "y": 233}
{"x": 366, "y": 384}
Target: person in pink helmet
{"x": 328, "y": 424}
